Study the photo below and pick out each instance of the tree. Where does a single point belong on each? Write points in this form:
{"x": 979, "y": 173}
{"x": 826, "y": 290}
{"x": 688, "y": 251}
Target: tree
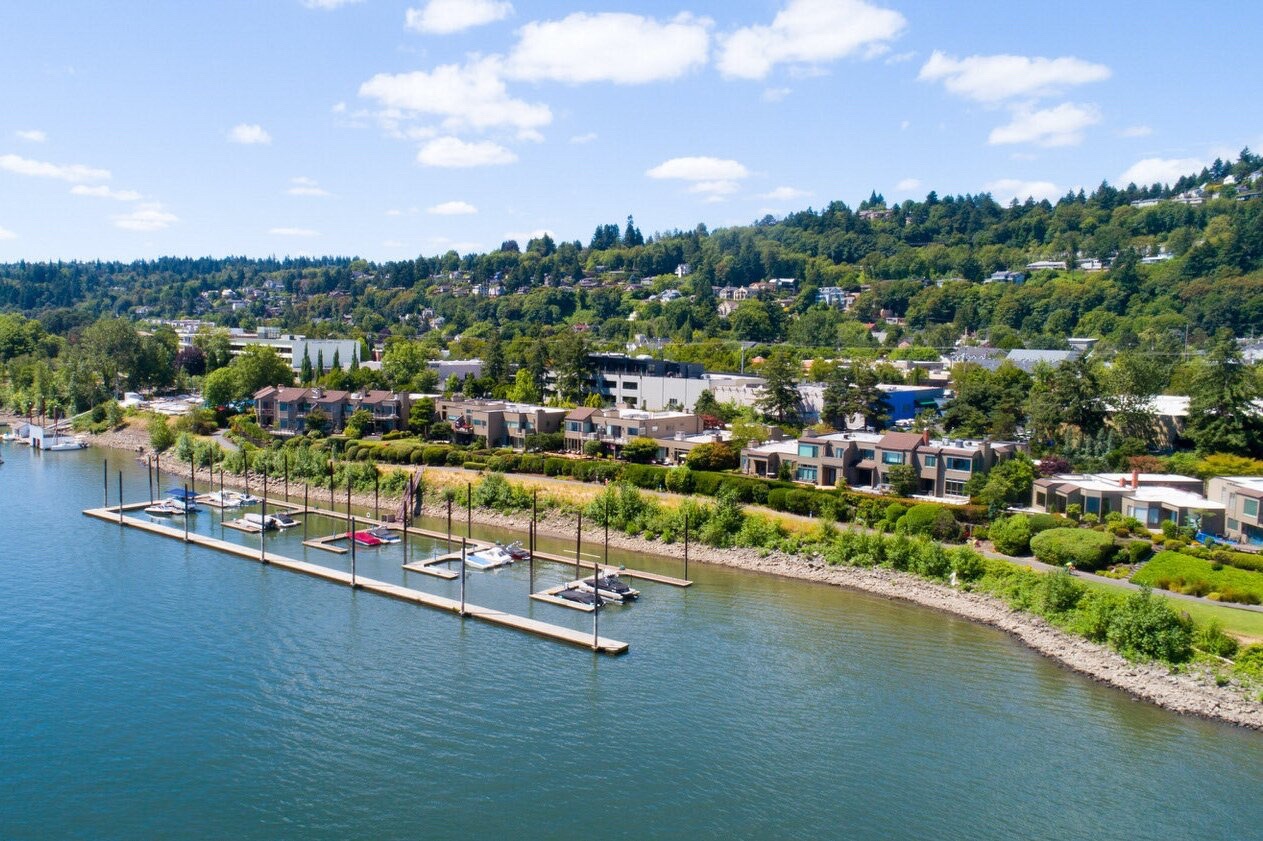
{"x": 221, "y": 387}
{"x": 320, "y": 363}
{"x": 337, "y": 361}
{"x": 718, "y": 455}
{"x": 420, "y": 416}
{"x": 258, "y": 366}
{"x": 317, "y": 421}
{"x": 780, "y": 400}
{"x": 1134, "y": 380}
{"x": 493, "y": 364}
{"x": 853, "y": 390}
{"x": 593, "y": 448}
{"x": 355, "y": 359}
{"x": 523, "y": 389}
{"x": 360, "y": 422}
{"x": 570, "y": 360}
{"x": 161, "y": 436}
{"x": 1222, "y": 417}
{"x": 640, "y": 450}
{"x": 903, "y": 479}
{"x": 305, "y": 373}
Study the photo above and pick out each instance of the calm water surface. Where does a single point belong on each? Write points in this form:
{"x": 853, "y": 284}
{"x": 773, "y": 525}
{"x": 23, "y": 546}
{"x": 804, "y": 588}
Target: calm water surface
{"x": 153, "y": 690}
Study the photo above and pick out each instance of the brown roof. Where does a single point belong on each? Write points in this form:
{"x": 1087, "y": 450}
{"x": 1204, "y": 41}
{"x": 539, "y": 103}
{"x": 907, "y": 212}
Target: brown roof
{"x": 582, "y": 413}
{"x": 899, "y": 441}
{"x": 288, "y": 395}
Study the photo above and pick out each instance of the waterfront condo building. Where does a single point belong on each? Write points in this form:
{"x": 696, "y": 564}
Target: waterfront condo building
{"x": 285, "y": 408}
{"x": 1242, "y": 498}
{"x": 497, "y": 423}
{"x": 1151, "y": 498}
{"x": 615, "y": 427}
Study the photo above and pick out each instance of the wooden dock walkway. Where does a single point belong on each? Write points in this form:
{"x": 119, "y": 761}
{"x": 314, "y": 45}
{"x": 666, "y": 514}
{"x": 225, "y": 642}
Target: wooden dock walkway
{"x": 622, "y": 571}
{"x": 550, "y": 596}
{"x": 603, "y": 645}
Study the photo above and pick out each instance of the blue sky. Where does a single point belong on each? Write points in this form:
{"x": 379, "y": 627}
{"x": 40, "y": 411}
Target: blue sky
{"x": 390, "y": 129}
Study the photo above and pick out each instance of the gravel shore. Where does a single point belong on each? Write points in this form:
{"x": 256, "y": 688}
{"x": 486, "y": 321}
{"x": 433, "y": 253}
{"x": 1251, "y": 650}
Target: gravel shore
{"x": 1191, "y": 692}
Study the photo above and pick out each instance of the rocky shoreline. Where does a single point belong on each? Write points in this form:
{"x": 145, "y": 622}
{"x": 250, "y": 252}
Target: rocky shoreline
{"x": 1190, "y": 693}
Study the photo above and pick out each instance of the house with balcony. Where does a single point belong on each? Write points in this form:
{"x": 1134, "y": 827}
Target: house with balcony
{"x": 864, "y": 459}
{"x": 615, "y": 427}
{"x": 498, "y": 423}
{"x": 1242, "y": 498}
{"x": 1149, "y": 497}
{"x": 675, "y": 450}
{"x": 285, "y": 409}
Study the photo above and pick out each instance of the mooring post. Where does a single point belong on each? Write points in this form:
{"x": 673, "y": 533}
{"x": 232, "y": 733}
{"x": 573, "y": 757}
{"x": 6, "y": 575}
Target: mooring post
{"x": 462, "y": 576}
{"x": 105, "y": 477}
{"x": 531, "y": 536}
{"x": 377, "y": 481}
{"x": 449, "y": 524}
{"x": 578, "y": 541}
{"x": 596, "y": 613}
{"x": 245, "y": 466}
{"x": 306, "y": 516}
{"x": 348, "y": 494}
{"x": 469, "y": 510}
{"x": 149, "y": 470}
{"x": 353, "y": 584}
{"x": 188, "y": 512}
{"x": 120, "y": 498}
{"x": 407, "y": 512}
{"x": 607, "y": 535}
{"x": 285, "y": 456}
{"x": 192, "y": 479}
{"x": 263, "y": 523}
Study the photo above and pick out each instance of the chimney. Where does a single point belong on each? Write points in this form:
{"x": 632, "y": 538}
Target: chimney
{"x": 925, "y": 437}
{"x": 1122, "y": 481}
{"x": 1135, "y": 478}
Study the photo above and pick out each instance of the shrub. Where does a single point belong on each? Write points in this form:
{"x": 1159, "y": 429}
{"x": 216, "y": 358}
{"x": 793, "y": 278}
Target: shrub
{"x": 928, "y": 519}
{"x": 555, "y": 466}
{"x": 1044, "y": 522}
{"x": 1060, "y": 593}
{"x": 455, "y": 458}
{"x": 1250, "y": 661}
{"x": 593, "y": 448}
{"x": 1085, "y": 549}
{"x": 161, "y": 436}
{"x": 967, "y": 564}
{"x": 1145, "y": 627}
{"x": 679, "y": 480}
{"x": 1180, "y": 572}
{"x": 717, "y": 456}
{"x": 1138, "y": 551}
{"x": 1012, "y": 535}
{"x": 435, "y": 456}
{"x": 1212, "y": 639}
{"x": 474, "y": 465}
{"x": 776, "y": 499}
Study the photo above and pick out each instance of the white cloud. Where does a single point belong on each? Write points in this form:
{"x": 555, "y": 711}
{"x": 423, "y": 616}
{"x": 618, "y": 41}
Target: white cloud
{"x": 699, "y": 169}
{"x": 584, "y": 138}
{"x": 775, "y": 94}
{"x": 452, "y": 152}
{"x": 293, "y": 232}
{"x": 1062, "y": 125}
{"x": 442, "y": 17}
{"x": 466, "y": 96}
{"x": 338, "y": 108}
{"x": 1006, "y": 189}
{"x": 304, "y": 186}
{"x": 147, "y": 217}
{"x": 809, "y": 32}
{"x": 33, "y": 135}
{"x": 995, "y": 78}
{"x": 5, "y": 233}
{"x": 614, "y": 47}
{"x": 1136, "y": 131}
{"x": 104, "y": 192}
{"x": 453, "y": 208}
{"x": 786, "y": 194}
{"x": 1160, "y": 171}
{"x": 328, "y": 4}
{"x": 74, "y": 173}
{"x": 249, "y": 134}
{"x": 907, "y": 185}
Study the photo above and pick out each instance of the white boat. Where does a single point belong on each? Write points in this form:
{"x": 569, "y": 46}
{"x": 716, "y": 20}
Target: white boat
{"x": 384, "y": 534}
{"x": 170, "y": 507}
{"x": 609, "y": 586}
{"x": 490, "y": 558}
{"x": 266, "y": 521}
{"x": 63, "y": 443}
{"x": 285, "y": 521}
{"x": 220, "y": 499}
{"x": 245, "y": 500}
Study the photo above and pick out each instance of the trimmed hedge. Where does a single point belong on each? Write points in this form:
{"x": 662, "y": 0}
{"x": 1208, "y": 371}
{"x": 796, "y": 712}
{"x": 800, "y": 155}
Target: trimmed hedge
{"x": 1086, "y": 549}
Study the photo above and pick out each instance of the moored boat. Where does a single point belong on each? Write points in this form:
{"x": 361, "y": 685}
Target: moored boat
{"x": 490, "y": 558}
{"x": 573, "y": 594}
{"x": 264, "y": 521}
{"x": 384, "y": 534}
{"x": 609, "y": 586}
{"x": 516, "y": 550}
{"x": 285, "y": 521}
{"x": 364, "y": 538}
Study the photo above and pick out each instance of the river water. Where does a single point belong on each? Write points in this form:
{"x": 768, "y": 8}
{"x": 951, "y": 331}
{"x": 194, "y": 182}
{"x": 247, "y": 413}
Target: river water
{"x": 150, "y": 689}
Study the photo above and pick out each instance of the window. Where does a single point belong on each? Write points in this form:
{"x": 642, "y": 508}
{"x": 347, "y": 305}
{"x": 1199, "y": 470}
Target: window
{"x": 1041, "y": 499}
{"x": 806, "y": 474}
{"x": 1250, "y": 507}
{"x": 1232, "y": 524}
{"x": 573, "y": 426}
{"x": 954, "y": 488}
{"x": 808, "y": 450}
{"x": 891, "y": 458}
{"x": 930, "y": 461}
{"x": 866, "y": 454}
{"x": 633, "y": 431}
{"x": 964, "y": 465}
{"x": 629, "y": 386}
{"x": 1092, "y": 504}
{"x": 284, "y": 407}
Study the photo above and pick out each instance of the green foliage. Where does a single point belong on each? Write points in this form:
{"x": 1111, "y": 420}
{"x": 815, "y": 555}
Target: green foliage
{"x": 1146, "y": 627}
{"x": 1087, "y": 550}
{"x": 593, "y": 448}
{"x": 928, "y": 519}
{"x": 1060, "y": 593}
{"x": 640, "y": 450}
{"x": 161, "y": 436}
{"x": 1250, "y": 661}
{"x": 1012, "y": 535}
{"x": 360, "y": 422}
{"x": 903, "y": 479}
{"x": 1212, "y": 639}
{"x": 719, "y": 455}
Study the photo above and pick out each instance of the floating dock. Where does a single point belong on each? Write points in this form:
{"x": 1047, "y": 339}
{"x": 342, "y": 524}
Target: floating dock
{"x": 550, "y": 596}
{"x": 603, "y": 645}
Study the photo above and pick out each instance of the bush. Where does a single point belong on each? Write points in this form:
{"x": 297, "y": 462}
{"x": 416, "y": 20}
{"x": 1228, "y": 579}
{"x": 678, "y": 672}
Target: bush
{"x": 1060, "y": 593}
{"x": 1087, "y": 550}
{"x": 1250, "y": 661}
{"x": 474, "y": 465}
{"x": 679, "y": 480}
{"x": 1138, "y": 551}
{"x": 928, "y": 519}
{"x": 1044, "y": 522}
{"x": 1212, "y": 639}
{"x": 1012, "y": 535}
{"x": 1181, "y": 573}
{"x": 555, "y": 466}
{"x": 1145, "y": 627}
{"x": 455, "y": 458}
{"x": 593, "y": 448}
{"x": 161, "y": 436}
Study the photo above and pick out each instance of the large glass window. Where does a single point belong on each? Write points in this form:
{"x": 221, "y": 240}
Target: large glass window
{"x": 808, "y": 450}
{"x": 806, "y": 474}
{"x": 954, "y": 488}
{"x": 930, "y": 461}
{"x": 1250, "y": 507}
{"x": 866, "y": 454}
{"x": 891, "y": 458}
{"x": 963, "y": 464}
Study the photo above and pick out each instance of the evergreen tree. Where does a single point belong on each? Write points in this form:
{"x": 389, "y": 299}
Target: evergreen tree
{"x": 337, "y": 360}
{"x": 493, "y": 364}
{"x": 355, "y": 358}
{"x": 1221, "y": 415}
{"x": 305, "y": 374}
{"x": 780, "y": 400}
{"x": 320, "y": 363}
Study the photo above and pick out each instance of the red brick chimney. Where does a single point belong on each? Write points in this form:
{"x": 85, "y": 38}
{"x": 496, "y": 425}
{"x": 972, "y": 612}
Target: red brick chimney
{"x": 925, "y": 437}
{"x": 1135, "y": 478}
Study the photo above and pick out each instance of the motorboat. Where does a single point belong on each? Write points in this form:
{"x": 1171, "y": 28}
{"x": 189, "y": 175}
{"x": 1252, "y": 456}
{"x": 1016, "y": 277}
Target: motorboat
{"x": 284, "y": 521}
{"x": 587, "y": 597}
{"x": 186, "y": 499}
{"x": 245, "y": 500}
{"x": 364, "y": 538}
{"x": 264, "y": 521}
{"x": 63, "y": 443}
{"x": 489, "y": 558}
{"x": 221, "y": 499}
{"x": 171, "y": 507}
{"x": 609, "y": 586}
{"x": 518, "y": 552}
{"x": 384, "y": 534}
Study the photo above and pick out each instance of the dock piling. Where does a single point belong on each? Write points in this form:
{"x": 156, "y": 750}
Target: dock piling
{"x": 578, "y": 541}
{"x": 353, "y": 584}
{"x": 449, "y": 524}
{"x": 187, "y": 512}
{"x": 462, "y": 576}
{"x": 377, "y": 508}
{"x": 105, "y": 476}
{"x": 120, "y": 499}
{"x": 686, "y": 544}
{"x": 285, "y": 456}
{"x": 263, "y": 524}
{"x": 149, "y": 470}
{"x": 469, "y": 510}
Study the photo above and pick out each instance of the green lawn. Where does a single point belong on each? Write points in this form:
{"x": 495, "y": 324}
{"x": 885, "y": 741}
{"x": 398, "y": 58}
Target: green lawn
{"x": 1238, "y": 622}
{"x": 1186, "y": 574}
